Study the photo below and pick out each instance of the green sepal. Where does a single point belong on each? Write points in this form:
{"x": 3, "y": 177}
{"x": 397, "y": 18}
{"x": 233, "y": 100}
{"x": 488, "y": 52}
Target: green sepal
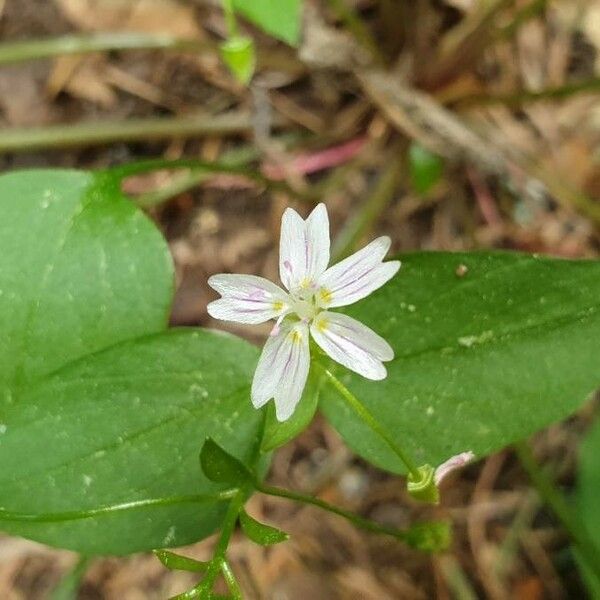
{"x": 239, "y": 55}
{"x": 176, "y": 562}
{"x": 221, "y": 467}
{"x": 430, "y": 536}
{"x": 277, "y": 433}
{"x": 424, "y": 489}
{"x": 259, "y": 533}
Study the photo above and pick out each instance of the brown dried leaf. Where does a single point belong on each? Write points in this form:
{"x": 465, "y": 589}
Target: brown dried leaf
{"x": 147, "y": 16}
{"x": 83, "y": 78}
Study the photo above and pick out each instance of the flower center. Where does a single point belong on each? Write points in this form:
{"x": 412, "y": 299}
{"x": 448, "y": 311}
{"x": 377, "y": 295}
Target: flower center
{"x": 306, "y": 309}
{"x": 308, "y": 300}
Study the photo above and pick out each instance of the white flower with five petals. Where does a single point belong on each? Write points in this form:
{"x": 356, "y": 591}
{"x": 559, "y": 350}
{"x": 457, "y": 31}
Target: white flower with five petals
{"x": 312, "y": 289}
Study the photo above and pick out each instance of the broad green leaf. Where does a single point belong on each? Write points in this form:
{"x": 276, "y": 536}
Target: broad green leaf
{"x": 280, "y": 18}
{"x": 278, "y": 433}
{"x": 489, "y": 349}
{"x": 425, "y": 168}
{"x": 100, "y": 406}
{"x": 81, "y": 268}
{"x": 124, "y": 425}
{"x": 588, "y": 492}
{"x": 259, "y": 533}
{"x": 220, "y": 466}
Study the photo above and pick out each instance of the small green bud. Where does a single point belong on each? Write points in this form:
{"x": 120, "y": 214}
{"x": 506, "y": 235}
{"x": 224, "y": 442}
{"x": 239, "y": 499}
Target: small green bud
{"x": 239, "y": 55}
{"x": 424, "y": 489}
{"x": 432, "y": 536}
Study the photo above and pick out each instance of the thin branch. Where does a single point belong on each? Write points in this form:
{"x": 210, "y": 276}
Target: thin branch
{"x": 13, "y": 52}
{"x": 148, "y": 166}
{"x": 336, "y": 510}
{"x": 371, "y": 209}
{"x": 525, "y": 96}
{"x": 522, "y": 16}
{"x": 108, "y": 132}
{"x": 556, "y": 502}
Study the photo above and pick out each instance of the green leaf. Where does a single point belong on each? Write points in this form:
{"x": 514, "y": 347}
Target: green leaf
{"x": 277, "y": 433}
{"x": 122, "y": 426}
{"x": 101, "y": 409}
{"x": 259, "y": 533}
{"x": 280, "y": 18}
{"x": 220, "y": 466}
{"x": 425, "y": 168}
{"x": 81, "y": 268}
{"x": 588, "y": 492}
{"x": 176, "y": 562}
{"x": 489, "y": 349}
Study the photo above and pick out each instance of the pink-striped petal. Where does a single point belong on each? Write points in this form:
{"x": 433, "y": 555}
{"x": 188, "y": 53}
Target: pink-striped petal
{"x": 453, "y": 463}
{"x": 282, "y": 370}
{"x": 358, "y": 275}
{"x": 247, "y": 299}
{"x": 303, "y": 248}
{"x": 352, "y": 344}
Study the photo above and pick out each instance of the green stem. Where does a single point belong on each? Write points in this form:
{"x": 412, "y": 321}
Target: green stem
{"x": 370, "y": 421}
{"x": 76, "y": 515}
{"x": 216, "y": 565}
{"x": 232, "y": 584}
{"x": 67, "y": 587}
{"x": 230, "y": 20}
{"x": 357, "y": 28}
{"x": 96, "y": 42}
{"x": 457, "y": 581}
{"x": 350, "y": 516}
{"x": 237, "y": 157}
{"x": 522, "y": 16}
{"x": 522, "y": 97}
{"x": 107, "y": 132}
{"x": 148, "y": 166}
{"x": 559, "y": 506}
{"x": 370, "y": 210}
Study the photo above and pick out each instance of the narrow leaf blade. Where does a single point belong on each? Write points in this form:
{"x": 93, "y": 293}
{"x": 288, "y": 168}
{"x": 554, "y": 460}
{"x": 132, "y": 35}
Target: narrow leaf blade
{"x": 259, "y": 533}
{"x": 220, "y": 466}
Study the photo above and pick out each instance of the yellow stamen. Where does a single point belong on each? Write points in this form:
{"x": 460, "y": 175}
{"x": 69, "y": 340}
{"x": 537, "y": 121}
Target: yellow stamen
{"x": 277, "y": 305}
{"x": 322, "y": 325}
{"x": 325, "y": 295}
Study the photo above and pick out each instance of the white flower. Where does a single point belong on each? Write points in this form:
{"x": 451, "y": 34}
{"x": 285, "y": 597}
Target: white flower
{"x": 312, "y": 289}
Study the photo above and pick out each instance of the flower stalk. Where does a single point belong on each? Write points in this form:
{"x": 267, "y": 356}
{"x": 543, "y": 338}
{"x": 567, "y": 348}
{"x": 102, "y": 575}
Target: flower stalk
{"x": 361, "y": 410}
{"x": 218, "y": 564}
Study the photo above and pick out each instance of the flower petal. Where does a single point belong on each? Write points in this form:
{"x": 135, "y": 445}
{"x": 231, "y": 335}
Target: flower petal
{"x": 352, "y": 344}
{"x": 453, "y": 463}
{"x": 304, "y": 247}
{"x": 282, "y": 370}
{"x": 247, "y": 299}
{"x": 358, "y": 275}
